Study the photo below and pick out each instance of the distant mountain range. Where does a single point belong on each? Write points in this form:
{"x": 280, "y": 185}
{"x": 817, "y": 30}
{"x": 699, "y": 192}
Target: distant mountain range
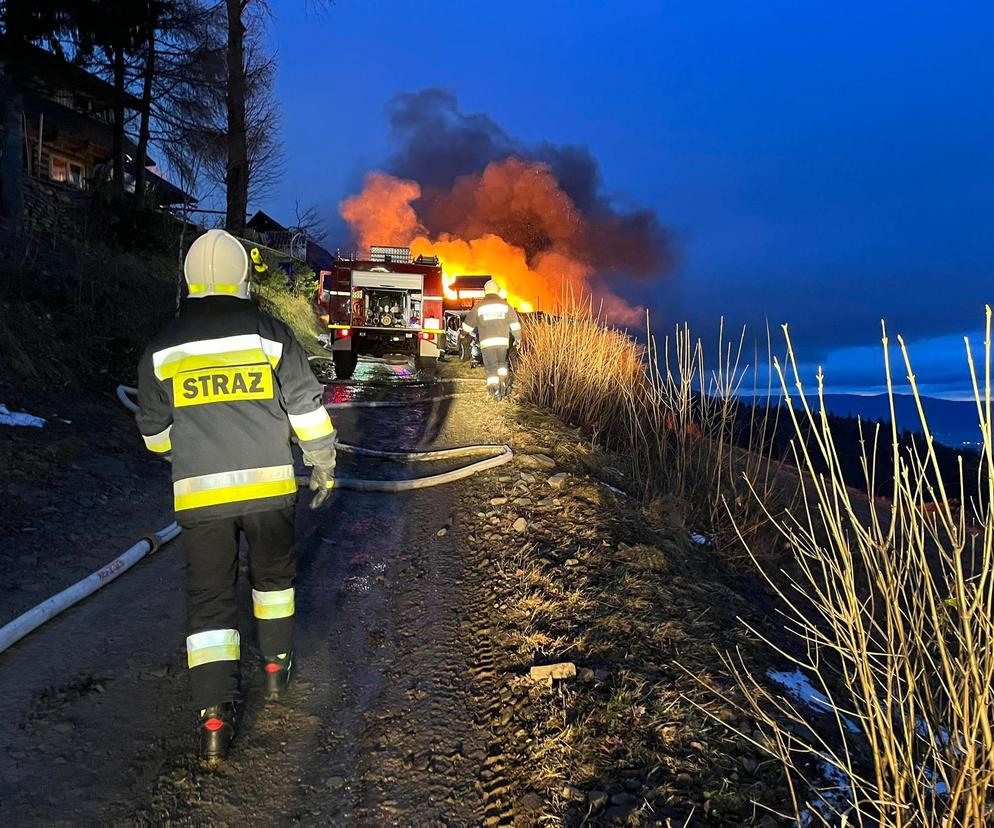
{"x": 952, "y": 422}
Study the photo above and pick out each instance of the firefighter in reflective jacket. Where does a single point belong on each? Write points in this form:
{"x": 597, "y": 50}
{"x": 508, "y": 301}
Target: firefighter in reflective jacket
{"x": 497, "y": 326}
{"x": 220, "y": 390}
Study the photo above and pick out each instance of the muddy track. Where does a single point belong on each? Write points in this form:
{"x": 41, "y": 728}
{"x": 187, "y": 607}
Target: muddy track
{"x": 401, "y": 713}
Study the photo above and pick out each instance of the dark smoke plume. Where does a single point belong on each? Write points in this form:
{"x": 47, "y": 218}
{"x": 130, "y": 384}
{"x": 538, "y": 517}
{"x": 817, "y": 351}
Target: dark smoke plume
{"x": 446, "y": 150}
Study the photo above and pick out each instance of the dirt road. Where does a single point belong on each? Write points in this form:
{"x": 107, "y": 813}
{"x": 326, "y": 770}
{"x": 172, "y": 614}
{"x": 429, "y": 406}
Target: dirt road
{"x": 392, "y": 719}
{"x": 420, "y": 618}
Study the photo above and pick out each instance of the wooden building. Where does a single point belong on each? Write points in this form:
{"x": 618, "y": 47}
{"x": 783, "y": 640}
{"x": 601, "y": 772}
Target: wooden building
{"x": 67, "y": 126}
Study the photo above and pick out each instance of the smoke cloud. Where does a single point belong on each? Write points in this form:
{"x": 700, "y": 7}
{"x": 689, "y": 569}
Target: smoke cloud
{"x": 535, "y": 217}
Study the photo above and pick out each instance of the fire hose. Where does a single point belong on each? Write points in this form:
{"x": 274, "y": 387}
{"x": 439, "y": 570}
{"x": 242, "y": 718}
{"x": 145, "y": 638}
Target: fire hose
{"x": 29, "y": 621}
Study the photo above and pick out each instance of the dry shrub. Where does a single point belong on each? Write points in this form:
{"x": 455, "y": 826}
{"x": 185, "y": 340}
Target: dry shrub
{"x": 891, "y": 598}
{"x": 688, "y": 440}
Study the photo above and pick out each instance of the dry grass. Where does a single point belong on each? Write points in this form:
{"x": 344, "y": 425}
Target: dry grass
{"x": 891, "y": 609}
{"x": 689, "y": 442}
{"x": 894, "y": 611}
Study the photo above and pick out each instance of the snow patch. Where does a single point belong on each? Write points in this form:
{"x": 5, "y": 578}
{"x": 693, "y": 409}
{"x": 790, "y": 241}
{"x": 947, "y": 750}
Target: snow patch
{"x": 799, "y": 686}
{"x": 19, "y": 418}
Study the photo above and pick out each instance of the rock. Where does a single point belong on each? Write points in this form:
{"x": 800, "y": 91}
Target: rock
{"x": 572, "y": 562}
{"x": 498, "y": 501}
{"x": 596, "y": 800}
{"x": 441, "y": 533}
{"x": 571, "y": 794}
{"x": 531, "y": 801}
{"x": 335, "y": 782}
{"x": 528, "y": 477}
{"x": 625, "y": 799}
{"x": 557, "y": 481}
{"x": 749, "y": 764}
{"x": 684, "y": 780}
{"x": 536, "y": 461}
{"x": 587, "y": 675}
{"x": 546, "y": 501}
{"x": 697, "y": 746}
{"x": 520, "y": 525}
{"x": 550, "y": 672}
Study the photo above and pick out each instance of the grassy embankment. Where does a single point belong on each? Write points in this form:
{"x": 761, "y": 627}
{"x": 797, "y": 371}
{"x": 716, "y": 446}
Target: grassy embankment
{"x": 76, "y": 316}
{"x": 889, "y": 610}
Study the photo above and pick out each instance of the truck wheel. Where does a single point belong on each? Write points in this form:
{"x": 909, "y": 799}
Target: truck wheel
{"x": 345, "y": 362}
{"x": 427, "y": 365}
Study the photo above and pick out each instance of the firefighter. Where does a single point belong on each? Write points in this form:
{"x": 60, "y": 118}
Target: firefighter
{"x": 496, "y": 325}
{"x": 220, "y": 389}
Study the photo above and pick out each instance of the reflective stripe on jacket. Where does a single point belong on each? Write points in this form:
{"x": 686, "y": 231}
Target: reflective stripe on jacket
{"x": 495, "y": 321}
{"x": 220, "y": 389}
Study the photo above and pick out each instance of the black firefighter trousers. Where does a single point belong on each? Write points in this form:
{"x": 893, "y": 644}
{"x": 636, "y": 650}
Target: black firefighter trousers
{"x": 495, "y": 364}
{"x": 213, "y": 642}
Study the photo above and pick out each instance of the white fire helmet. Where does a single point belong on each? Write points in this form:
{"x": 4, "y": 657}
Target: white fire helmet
{"x": 491, "y": 287}
{"x": 217, "y": 265}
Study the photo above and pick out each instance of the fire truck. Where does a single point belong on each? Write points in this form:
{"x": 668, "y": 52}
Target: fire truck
{"x": 387, "y": 303}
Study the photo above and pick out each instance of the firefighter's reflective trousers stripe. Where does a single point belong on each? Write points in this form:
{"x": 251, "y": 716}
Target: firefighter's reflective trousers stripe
{"x": 495, "y": 362}
{"x": 213, "y": 640}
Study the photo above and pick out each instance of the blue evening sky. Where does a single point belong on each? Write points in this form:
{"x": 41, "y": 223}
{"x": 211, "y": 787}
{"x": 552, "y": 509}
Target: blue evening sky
{"x": 822, "y": 163}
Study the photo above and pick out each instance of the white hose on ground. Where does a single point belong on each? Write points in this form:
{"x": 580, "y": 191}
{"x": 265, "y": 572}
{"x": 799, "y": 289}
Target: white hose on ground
{"x": 36, "y": 616}
{"x": 15, "y": 630}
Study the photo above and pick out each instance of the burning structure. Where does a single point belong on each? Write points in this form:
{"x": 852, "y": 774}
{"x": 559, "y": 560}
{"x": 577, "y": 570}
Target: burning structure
{"x": 460, "y": 188}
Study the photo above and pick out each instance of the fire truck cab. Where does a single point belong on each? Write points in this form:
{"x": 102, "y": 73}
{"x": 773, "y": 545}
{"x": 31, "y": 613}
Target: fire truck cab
{"x": 387, "y": 303}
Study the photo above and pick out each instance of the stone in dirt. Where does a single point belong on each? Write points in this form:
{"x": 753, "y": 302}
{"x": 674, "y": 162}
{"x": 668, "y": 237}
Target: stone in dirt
{"x": 597, "y": 800}
{"x": 520, "y": 525}
{"x": 537, "y": 461}
{"x": 557, "y": 481}
{"x": 442, "y": 532}
{"x": 498, "y": 501}
{"x": 531, "y": 802}
{"x": 550, "y": 672}
{"x": 572, "y": 562}
{"x": 572, "y": 794}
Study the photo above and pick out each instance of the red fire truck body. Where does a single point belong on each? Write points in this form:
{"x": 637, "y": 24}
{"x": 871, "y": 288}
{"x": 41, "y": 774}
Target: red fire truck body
{"x": 385, "y": 304}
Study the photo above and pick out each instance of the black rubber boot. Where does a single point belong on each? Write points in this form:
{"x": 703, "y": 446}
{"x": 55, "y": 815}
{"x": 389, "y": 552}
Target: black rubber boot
{"x": 216, "y": 731}
{"x": 277, "y": 672}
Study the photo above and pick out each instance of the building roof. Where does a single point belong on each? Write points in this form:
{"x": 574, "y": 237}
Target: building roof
{"x": 265, "y": 223}
{"x": 38, "y": 66}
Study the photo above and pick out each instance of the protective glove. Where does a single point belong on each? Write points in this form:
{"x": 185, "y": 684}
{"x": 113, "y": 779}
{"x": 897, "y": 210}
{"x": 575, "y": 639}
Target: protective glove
{"x": 322, "y": 476}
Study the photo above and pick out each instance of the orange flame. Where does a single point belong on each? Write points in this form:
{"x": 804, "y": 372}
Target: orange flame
{"x": 512, "y": 222}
